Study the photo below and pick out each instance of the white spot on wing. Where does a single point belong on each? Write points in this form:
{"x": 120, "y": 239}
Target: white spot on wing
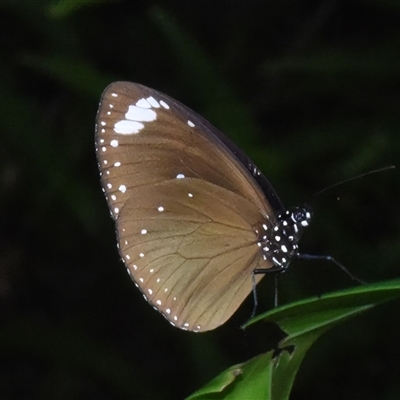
{"x": 190, "y": 123}
{"x": 122, "y": 188}
{"x": 136, "y": 115}
{"x": 143, "y": 103}
{"x": 180, "y": 176}
{"x": 140, "y": 114}
{"x": 154, "y": 103}
{"x": 126, "y": 127}
{"x": 164, "y": 104}
{"x": 161, "y": 209}
{"x": 114, "y": 143}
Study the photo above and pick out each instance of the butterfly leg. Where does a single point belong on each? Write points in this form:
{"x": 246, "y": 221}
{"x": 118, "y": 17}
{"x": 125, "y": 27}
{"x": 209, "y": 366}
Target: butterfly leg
{"x": 276, "y": 270}
{"x": 332, "y": 260}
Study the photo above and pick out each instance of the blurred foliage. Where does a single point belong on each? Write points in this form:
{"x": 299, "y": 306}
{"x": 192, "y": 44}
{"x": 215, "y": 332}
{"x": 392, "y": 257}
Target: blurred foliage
{"x": 309, "y": 89}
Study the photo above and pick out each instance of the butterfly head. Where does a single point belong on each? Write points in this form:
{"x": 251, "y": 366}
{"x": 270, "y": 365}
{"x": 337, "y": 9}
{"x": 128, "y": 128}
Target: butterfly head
{"x": 280, "y": 241}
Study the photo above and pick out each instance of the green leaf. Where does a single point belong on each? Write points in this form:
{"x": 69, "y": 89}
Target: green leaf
{"x": 271, "y": 377}
{"x": 249, "y": 380}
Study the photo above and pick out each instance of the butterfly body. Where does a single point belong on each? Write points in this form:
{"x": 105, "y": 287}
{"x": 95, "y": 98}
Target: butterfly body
{"x": 194, "y": 215}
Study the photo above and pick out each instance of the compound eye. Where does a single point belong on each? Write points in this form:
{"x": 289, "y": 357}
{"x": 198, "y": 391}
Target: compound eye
{"x": 299, "y": 216}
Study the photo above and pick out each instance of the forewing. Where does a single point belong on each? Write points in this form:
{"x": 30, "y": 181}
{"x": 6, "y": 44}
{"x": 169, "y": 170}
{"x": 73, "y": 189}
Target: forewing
{"x": 144, "y": 137}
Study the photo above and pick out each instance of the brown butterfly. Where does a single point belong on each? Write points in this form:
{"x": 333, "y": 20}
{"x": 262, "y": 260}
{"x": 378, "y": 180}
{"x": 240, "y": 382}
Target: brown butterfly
{"x": 197, "y": 223}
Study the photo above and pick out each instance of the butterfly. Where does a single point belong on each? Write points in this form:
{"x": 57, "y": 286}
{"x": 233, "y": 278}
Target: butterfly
{"x": 198, "y": 224}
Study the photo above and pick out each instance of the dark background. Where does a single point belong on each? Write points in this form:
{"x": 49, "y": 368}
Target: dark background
{"x": 309, "y": 89}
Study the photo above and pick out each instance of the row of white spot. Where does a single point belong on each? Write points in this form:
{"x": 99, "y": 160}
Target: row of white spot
{"x": 138, "y": 114}
{"x": 158, "y": 302}
{"x": 133, "y": 123}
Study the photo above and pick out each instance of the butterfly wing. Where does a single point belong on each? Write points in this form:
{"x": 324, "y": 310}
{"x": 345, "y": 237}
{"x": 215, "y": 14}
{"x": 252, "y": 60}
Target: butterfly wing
{"x": 193, "y": 262}
{"x": 185, "y": 206}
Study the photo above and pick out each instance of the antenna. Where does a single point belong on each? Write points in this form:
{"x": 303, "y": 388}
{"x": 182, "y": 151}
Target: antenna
{"x": 353, "y": 179}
